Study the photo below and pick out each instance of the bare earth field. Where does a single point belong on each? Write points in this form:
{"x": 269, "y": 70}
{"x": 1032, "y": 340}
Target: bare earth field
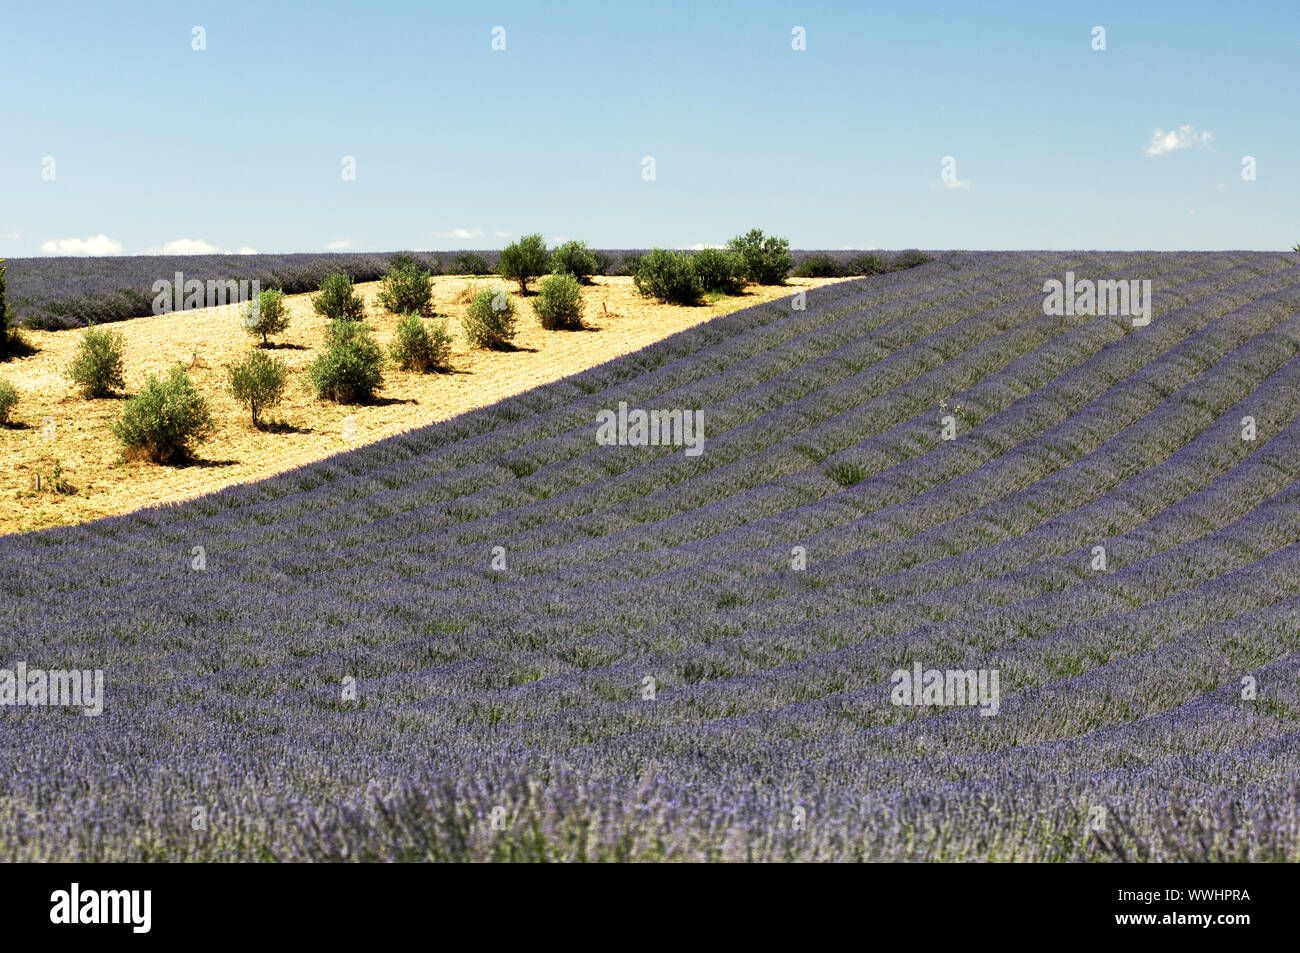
{"x": 54, "y": 424}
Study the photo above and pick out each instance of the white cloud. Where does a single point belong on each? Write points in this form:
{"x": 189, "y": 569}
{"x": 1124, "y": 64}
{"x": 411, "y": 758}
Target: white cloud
{"x": 94, "y": 245}
{"x": 559, "y": 239}
{"x": 194, "y": 246}
{"x": 463, "y": 234}
{"x": 1184, "y": 137}
{"x": 700, "y": 246}
{"x": 338, "y": 244}
{"x": 504, "y": 234}
{"x": 858, "y": 247}
{"x": 10, "y": 236}
{"x": 183, "y": 246}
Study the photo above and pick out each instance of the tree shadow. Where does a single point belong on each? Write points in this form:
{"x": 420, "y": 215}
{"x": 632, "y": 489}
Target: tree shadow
{"x": 17, "y": 347}
{"x": 389, "y": 401}
{"x": 281, "y": 426}
{"x": 511, "y": 348}
{"x": 438, "y": 372}
{"x": 273, "y": 346}
{"x": 194, "y": 463}
{"x": 16, "y": 425}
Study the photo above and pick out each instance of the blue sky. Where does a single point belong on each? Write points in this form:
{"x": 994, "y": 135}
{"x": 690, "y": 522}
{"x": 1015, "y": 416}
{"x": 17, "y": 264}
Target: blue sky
{"x": 159, "y": 147}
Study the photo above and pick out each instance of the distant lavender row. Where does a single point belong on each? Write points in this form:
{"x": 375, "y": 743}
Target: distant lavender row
{"x": 53, "y": 293}
{"x": 69, "y": 292}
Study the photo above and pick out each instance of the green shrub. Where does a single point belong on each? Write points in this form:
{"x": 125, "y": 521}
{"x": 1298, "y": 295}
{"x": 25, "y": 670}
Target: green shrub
{"x": 719, "y": 270}
{"x": 524, "y": 260}
{"x": 406, "y": 289}
{"x": 337, "y": 299}
{"x": 350, "y": 369}
{"x": 630, "y": 264}
{"x": 574, "y": 258}
{"x": 490, "y": 319}
{"x": 165, "y": 419}
{"x": 267, "y": 316}
{"x": 818, "y": 266}
{"x": 908, "y": 259}
{"x": 8, "y": 400}
{"x": 258, "y": 382}
{"x": 7, "y": 332}
{"x": 417, "y": 346}
{"x": 97, "y": 365}
{"x": 559, "y": 303}
{"x": 470, "y": 263}
{"x": 868, "y": 264}
{"x": 57, "y": 483}
{"x": 669, "y": 277}
{"x": 767, "y": 259}
{"x": 604, "y": 262}
{"x": 11, "y": 342}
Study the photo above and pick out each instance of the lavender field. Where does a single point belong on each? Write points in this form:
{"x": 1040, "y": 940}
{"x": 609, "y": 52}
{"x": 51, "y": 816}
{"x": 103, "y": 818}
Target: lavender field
{"x": 54, "y": 293}
{"x": 498, "y": 639}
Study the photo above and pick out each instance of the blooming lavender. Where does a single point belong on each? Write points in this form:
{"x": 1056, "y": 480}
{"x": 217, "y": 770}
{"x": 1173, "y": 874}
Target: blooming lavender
{"x": 496, "y": 639}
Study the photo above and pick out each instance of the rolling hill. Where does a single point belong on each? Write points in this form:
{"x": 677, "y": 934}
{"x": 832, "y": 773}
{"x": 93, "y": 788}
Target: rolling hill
{"x": 496, "y": 638}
